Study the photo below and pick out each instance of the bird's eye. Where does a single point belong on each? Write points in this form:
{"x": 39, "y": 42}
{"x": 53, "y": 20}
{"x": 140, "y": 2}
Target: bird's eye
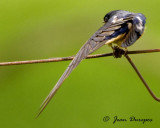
{"x": 105, "y": 19}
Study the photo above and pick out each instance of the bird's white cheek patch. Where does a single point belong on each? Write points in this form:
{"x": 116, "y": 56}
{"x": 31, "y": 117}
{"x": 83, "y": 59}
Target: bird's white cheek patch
{"x": 139, "y": 26}
{"x": 140, "y": 20}
{"x": 115, "y": 19}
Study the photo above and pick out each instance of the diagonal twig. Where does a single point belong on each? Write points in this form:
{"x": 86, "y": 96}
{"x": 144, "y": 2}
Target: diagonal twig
{"x": 142, "y": 79}
{"x": 71, "y": 57}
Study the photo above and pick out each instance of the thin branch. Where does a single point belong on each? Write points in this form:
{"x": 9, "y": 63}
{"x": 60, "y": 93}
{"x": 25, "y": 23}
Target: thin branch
{"x": 51, "y": 60}
{"x": 71, "y": 57}
{"x": 142, "y": 79}
{"x": 143, "y": 51}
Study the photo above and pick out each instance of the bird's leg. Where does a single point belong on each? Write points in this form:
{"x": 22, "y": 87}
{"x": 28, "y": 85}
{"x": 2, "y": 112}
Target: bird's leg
{"x": 118, "y": 52}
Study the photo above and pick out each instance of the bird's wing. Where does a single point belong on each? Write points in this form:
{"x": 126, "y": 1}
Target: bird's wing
{"x": 135, "y": 32}
{"x": 96, "y": 41}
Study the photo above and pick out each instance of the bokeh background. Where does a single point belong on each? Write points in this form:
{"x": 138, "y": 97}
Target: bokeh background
{"x": 36, "y": 29}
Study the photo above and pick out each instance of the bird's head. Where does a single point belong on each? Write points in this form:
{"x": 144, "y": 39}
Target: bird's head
{"x": 116, "y": 15}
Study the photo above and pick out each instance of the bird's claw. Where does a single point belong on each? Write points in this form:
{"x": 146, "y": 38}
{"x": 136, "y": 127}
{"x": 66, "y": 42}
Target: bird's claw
{"x": 118, "y": 52}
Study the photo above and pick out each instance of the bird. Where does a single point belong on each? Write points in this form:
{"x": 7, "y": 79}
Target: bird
{"x": 121, "y": 28}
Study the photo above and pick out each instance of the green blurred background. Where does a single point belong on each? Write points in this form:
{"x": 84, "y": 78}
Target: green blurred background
{"x": 36, "y": 29}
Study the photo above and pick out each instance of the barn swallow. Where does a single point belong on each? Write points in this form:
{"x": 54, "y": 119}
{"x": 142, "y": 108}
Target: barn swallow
{"x": 121, "y": 28}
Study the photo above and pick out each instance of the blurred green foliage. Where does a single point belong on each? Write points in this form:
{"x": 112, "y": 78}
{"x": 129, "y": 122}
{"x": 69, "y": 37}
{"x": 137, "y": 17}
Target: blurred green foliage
{"x": 35, "y": 29}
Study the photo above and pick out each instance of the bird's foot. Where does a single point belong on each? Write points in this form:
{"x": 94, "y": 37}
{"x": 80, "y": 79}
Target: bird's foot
{"x": 118, "y": 52}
